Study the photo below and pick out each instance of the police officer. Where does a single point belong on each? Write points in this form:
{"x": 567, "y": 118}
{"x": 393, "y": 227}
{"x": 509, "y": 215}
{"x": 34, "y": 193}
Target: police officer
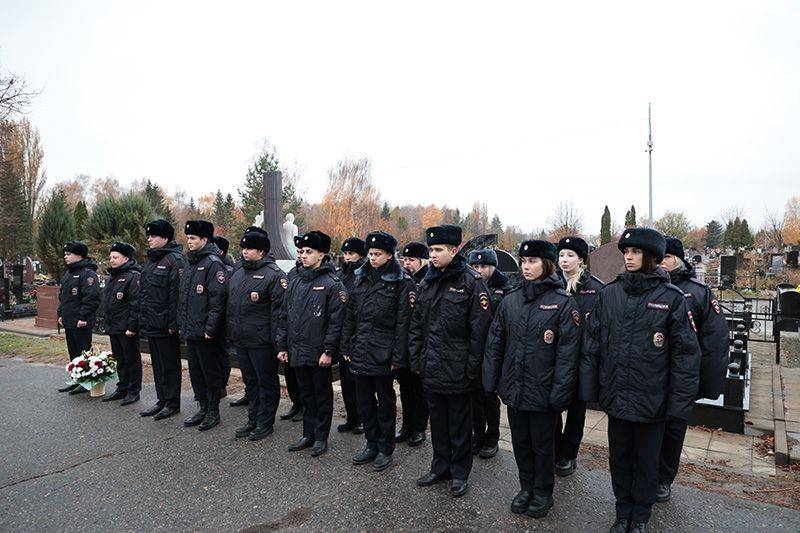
{"x": 201, "y": 314}
{"x": 446, "y": 340}
{"x": 255, "y": 295}
{"x": 223, "y": 244}
{"x": 712, "y": 335}
{"x": 122, "y": 322}
{"x": 78, "y": 299}
{"x": 354, "y": 252}
{"x": 532, "y": 360}
{"x": 641, "y": 360}
{"x": 295, "y": 412}
{"x": 309, "y": 333}
{"x": 374, "y": 343}
{"x": 486, "y": 405}
{"x": 412, "y": 396}
{"x": 158, "y": 315}
{"x": 573, "y": 267}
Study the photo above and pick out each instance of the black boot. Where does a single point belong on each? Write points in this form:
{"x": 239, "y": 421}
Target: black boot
{"x": 67, "y": 388}
{"x": 198, "y": 417}
{"x": 298, "y": 417}
{"x": 129, "y": 399}
{"x": 664, "y": 492}
{"x": 288, "y": 415}
{"x": 487, "y": 452}
{"x": 381, "y": 462}
{"x": 620, "y": 526}
{"x": 417, "y": 439}
{"x": 153, "y": 410}
{"x": 350, "y": 425}
{"x": 212, "y": 417}
{"x": 167, "y": 411}
{"x": 540, "y": 506}
{"x": 116, "y": 395}
{"x": 260, "y": 432}
{"x": 365, "y": 456}
{"x": 240, "y": 402}
{"x": 565, "y": 467}
{"x": 521, "y": 502}
{"x": 77, "y": 390}
{"x": 638, "y": 527}
{"x": 245, "y": 430}
{"x": 402, "y": 435}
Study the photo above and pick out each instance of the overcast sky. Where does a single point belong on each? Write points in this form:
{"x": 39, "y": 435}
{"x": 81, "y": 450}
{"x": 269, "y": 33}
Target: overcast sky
{"x": 518, "y": 105}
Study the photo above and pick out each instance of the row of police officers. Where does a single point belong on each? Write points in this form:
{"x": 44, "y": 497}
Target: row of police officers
{"x": 456, "y": 333}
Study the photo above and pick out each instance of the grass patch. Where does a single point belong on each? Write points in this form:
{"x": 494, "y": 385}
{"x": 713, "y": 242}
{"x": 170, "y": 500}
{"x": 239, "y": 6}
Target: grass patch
{"x": 20, "y": 345}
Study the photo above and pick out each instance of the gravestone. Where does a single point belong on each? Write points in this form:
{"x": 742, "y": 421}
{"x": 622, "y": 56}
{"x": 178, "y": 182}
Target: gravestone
{"x": 776, "y": 264}
{"x": 791, "y": 258}
{"x": 727, "y": 270}
{"x": 606, "y": 262}
{"x": 273, "y": 207}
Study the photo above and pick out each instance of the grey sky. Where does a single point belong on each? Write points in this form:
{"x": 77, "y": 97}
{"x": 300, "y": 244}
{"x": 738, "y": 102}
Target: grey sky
{"x": 520, "y": 105}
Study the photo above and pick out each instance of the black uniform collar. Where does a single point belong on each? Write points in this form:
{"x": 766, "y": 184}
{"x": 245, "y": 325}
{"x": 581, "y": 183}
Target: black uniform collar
{"x": 350, "y": 268}
{"x": 419, "y": 275}
{"x": 86, "y": 262}
{"x": 325, "y": 268}
{"x": 391, "y": 271}
{"x": 130, "y": 265}
{"x": 255, "y": 265}
{"x": 497, "y": 280}
{"x": 638, "y": 282}
{"x": 532, "y": 289}
{"x": 155, "y": 254}
{"x": 194, "y": 257}
{"x": 683, "y": 273}
{"x": 455, "y": 268}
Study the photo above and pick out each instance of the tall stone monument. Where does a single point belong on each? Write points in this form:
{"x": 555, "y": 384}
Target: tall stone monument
{"x": 273, "y": 209}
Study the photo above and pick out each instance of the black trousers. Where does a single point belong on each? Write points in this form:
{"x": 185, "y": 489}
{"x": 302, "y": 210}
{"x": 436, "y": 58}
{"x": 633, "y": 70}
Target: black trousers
{"x": 262, "y": 387}
{"x": 165, "y": 355}
{"x": 570, "y": 433}
{"x": 317, "y": 395}
{"x": 671, "y": 446}
{"x": 533, "y": 439}
{"x": 206, "y": 369}
{"x": 634, "y": 449}
{"x": 377, "y": 409}
{"x": 412, "y": 400}
{"x": 348, "y": 383}
{"x": 485, "y": 419}
{"x": 226, "y": 366}
{"x": 78, "y": 341}
{"x": 451, "y": 434}
{"x": 129, "y": 363}
{"x": 292, "y": 387}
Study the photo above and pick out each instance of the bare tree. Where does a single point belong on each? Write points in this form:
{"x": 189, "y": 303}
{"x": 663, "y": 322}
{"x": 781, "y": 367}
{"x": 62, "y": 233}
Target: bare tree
{"x": 731, "y": 214}
{"x": 773, "y": 228}
{"x": 565, "y": 221}
{"x": 15, "y": 95}
{"x": 21, "y": 147}
{"x": 351, "y": 205}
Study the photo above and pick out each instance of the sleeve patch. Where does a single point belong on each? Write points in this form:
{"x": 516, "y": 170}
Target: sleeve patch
{"x": 483, "y": 299}
{"x": 576, "y": 317}
{"x": 221, "y": 277}
{"x": 90, "y": 280}
{"x": 412, "y": 299}
{"x": 343, "y": 296}
{"x": 715, "y": 305}
{"x": 691, "y": 321}
{"x": 284, "y": 283}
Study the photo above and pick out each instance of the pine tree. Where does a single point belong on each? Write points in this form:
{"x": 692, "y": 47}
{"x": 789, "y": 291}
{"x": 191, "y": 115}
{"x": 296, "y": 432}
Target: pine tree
{"x": 251, "y": 195}
{"x": 746, "y": 239}
{"x": 155, "y": 196}
{"x": 16, "y": 225}
{"x": 714, "y": 234}
{"x": 118, "y": 219}
{"x": 56, "y": 226}
{"x": 386, "y": 211}
{"x": 496, "y": 226}
{"x": 630, "y": 217}
{"x": 81, "y": 213}
{"x": 605, "y": 227}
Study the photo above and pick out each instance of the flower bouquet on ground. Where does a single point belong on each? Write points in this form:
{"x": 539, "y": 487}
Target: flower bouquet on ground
{"x": 91, "y": 370}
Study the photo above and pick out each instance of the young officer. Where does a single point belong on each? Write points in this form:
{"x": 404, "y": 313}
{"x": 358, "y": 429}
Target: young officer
{"x": 255, "y": 296}
{"x": 122, "y": 322}
{"x": 531, "y": 361}
{"x": 158, "y": 315}
{"x": 486, "y": 405}
{"x": 354, "y": 252}
{"x": 78, "y": 299}
{"x": 641, "y": 361}
{"x": 201, "y": 315}
{"x": 573, "y": 268}
{"x": 412, "y": 396}
{"x": 295, "y": 412}
{"x": 446, "y": 340}
{"x": 374, "y": 343}
{"x": 712, "y": 335}
{"x": 309, "y": 333}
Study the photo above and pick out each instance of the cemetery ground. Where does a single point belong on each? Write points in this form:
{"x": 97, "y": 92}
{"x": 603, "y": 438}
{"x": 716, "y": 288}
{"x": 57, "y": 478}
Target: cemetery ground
{"x": 72, "y": 463}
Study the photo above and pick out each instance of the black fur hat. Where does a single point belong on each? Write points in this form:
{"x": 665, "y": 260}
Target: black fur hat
{"x": 298, "y": 240}
{"x": 257, "y": 240}
{"x": 199, "y": 228}
{"x": 316, "y": 240}
{"x": 415, "y": 249}
{"x": 646, "y": 239}
{"x": 354, "y": 244}
{"x": 381, "y": 240}
{"x": 444, "y": 234}
{"x": 77, "y": 248}
{"x": 674, "y": 247}
{"x": 160, "y": 228}
{"x": 543, "y": 249}
{"x": 222, "y": 243}
{"x": 257, "y": 229}
{"x": 123, "y": 248}
{"x": 485, "y": 256}
{"x": 576, "y": 244}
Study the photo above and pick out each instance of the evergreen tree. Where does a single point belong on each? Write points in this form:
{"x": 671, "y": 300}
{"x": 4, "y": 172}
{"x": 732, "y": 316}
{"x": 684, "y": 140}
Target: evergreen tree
{"x": 81, "y": 213}
{"x": 16, "y": 225}
{"x": 56, "y": 226}
{"x": 630, "y": 217}
{"x": 746, "y": 239}
{"x": 714, "y": 234}
{"x": 158, "y": 201}
{"x": 386, "y": 211}
{"x": 496, "y": 226}
{"x": 251, "y": 195}
{"x": 119, "y": 219}
{"x": 605, "y": 227}
{"x": 729, "y": 237}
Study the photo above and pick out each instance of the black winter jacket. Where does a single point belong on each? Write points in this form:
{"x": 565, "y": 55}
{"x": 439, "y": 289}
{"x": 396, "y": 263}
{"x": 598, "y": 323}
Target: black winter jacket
{"x": 420, "y": 274}
{"x": 255, "y": 296}
{"x": 448, "y": 329}
{"x": 585, "y": 292}
{"x": 79, "y": 296}
{"x": 312, "y": 315}
{"x": 532, "y": 351}
{"x": 122, "y": 299}
{"x": 499, "y": 286}
{"x": 712, "y": 331}
{"x": 159, "y": 288}
{"x": 347, "y": 272}
{"x": 640, "y": 357}
{"x": 204, "y": 291}
{"x": 375, "y": 332}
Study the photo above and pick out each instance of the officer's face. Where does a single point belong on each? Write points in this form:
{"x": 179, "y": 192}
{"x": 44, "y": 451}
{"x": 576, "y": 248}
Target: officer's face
{"x": 442, "y": 255}
{"x": 568, "y": 260}
{"x": 310, "y": 257}
{"x": 532, "y": 268}
{"x": 412, "y": 264}
{"x": 251, "y": 254}
{"x": 485, "y": 271}
{"x": 117, "y": 259}
{"x": 70, "y": 258}
{"x": 670, "y": 262}
{"x": 194, "y": 243}
{"x": 633, "y": 259}
{"x": 351, "y": 257}
{"x": 154, "y": 241}
{"x": 378, "y": 257}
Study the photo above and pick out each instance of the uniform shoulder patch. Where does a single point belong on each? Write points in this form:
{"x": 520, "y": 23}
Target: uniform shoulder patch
{"x": 715, "y": 306}
{"x": 691, "y": 321}
{"x": 284, "y": 283}
{"x": 483, "y": 300}
{"x": 343, "y": 296}
{"x": 90, "y": 280}
{"x": 412, "y": 299}
{"x": 576, "y": 317}
{"x": 220, "y": 277}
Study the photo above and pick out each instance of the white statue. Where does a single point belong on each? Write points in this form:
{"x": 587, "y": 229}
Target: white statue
{"x": 259, "y": 221}
{"x": 289, "y": 233}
